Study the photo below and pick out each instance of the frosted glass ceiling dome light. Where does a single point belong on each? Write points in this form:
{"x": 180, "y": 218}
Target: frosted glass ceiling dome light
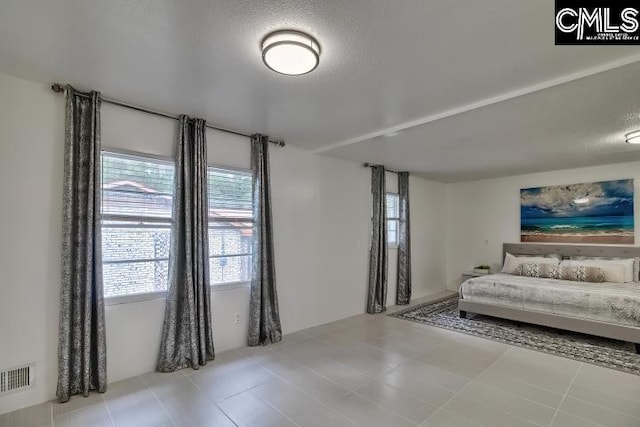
{"x": 633, "y": 137}
{"x": 290, "y": 52}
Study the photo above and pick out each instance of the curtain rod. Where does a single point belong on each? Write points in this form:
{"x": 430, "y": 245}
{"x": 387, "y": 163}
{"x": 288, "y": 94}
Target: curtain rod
{"x": 59, "y": 88}
{"x": 369, "y": 165}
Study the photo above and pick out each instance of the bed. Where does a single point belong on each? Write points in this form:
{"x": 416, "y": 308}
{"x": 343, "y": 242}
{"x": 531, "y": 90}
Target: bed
{"x": 610, "y": 310}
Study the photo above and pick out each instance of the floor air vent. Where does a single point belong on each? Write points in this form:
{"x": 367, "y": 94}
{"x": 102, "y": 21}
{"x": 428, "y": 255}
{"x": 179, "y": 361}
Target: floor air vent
{"x": 17, "y": 379}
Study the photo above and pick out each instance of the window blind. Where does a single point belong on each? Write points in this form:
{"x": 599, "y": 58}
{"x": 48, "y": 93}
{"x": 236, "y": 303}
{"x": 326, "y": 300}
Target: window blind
{"x": 393, "y": 218}
{"x": 229, "y": 194}
{"x": 136, "y": 187}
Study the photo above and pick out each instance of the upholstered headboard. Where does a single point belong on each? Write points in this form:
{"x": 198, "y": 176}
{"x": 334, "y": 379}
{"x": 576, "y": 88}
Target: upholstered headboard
{"x": 570, "y": 250}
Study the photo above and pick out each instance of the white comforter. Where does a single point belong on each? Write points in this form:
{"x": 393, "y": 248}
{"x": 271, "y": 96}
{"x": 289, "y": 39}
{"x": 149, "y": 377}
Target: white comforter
{"x": 605, "y": 302}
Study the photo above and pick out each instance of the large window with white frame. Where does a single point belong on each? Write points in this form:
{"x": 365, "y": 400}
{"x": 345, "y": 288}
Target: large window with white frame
{"x": 230, "y": 225}
{"x": 137, "y": 199}
{"x": 137, "y": 202}
{"x": 393, "y": 218}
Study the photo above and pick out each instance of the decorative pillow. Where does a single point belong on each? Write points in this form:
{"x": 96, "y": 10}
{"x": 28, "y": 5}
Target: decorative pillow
{"x": 511, "y": 262}
{"x": 617, "y": 271}
{"x": 578, "y": 273}
{"x": 636, "y": 263}
{"x": 533, "y": 269}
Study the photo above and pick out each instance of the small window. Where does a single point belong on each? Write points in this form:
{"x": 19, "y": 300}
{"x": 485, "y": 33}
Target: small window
{"x": 230, "y": 225}
{"x": 393, "y": 219}
{"x": 137, "y": 197}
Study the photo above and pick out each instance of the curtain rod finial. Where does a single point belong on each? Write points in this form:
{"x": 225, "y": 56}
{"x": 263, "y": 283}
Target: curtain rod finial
{"x": 366, "y": 165}
{"x": 277, "y": 142}
{"x": 57, "y": 88}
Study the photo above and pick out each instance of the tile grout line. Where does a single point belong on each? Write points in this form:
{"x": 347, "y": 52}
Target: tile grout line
{"x": 113, "y": 423}
{"x": 465, "y": 386}
{"x": 614, "y": 395}
{"x": 608, "y": 408}
{"x": 515, "y": 395}
{"x": 541, "y": 388}
{"x": 566, "y": 393}
{"x": 451, "y": 398}
{"x": 370, "y": 378}
{"x": 153, "y": 393}
{"x": 271, "y": 406}
{"x": 280, "y": 378}
{"x": 225, "y": 414}
{"x": 393, "y": 411}
{"x": 441, "y": 409}
{"x": 506, "y": 411}
{"x": 321, "y": 376}
{"x": 188, "y": 377}
{"x": 53, "y": 423}
{"x": 424, "y": 380}
{"x": 303, "y": 367}
{"x": 216, "y": 404}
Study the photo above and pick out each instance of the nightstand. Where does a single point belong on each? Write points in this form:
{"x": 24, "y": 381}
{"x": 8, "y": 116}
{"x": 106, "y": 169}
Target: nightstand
{"x": 469, "y": 274}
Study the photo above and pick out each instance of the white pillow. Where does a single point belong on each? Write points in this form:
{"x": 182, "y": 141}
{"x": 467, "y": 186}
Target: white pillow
{"x": 511, "y": 262}
{"x": 618, "y": 271}
{"x": 636, "y": 263}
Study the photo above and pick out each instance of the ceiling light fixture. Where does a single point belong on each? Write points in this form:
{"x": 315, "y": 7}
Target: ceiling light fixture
{"x": 290, "y": 52}
{"x": 633, "y": 137}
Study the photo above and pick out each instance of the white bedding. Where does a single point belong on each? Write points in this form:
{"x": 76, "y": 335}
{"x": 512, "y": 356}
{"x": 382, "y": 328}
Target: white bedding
{"x": 617, "y": 303}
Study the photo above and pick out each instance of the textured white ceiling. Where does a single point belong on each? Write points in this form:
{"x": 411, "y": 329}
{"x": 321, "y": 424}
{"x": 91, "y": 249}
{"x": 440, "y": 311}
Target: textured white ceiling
{"x": 581, "y": 123}
{"x": 383, "y": 63}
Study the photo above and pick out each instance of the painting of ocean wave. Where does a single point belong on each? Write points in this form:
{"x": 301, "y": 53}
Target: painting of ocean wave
{"x": 596, "y": 212}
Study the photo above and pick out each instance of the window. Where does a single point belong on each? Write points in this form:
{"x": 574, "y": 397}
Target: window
{"x": 137, "y": 202}
{"x": 393, "y": 218}
{"x": 137, "y": 195}
{"x": 230, "y": 225}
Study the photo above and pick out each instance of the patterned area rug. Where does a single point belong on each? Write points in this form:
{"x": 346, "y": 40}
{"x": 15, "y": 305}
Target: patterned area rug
{"x": 444, "y": 313}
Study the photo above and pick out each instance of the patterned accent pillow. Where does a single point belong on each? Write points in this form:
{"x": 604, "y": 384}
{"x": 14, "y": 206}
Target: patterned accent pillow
{"x": 578, "y": 273}
{"x": 530, "y": 269}
{"x": 554, "y": 273}
{"x": 511, "y": 262}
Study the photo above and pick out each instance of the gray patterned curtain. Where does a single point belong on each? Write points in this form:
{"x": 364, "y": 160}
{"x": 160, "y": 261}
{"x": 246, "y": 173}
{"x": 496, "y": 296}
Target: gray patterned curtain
{"x": 378, "y": 254}
{"x": 187, "y": 338}
{"x": 264, "y": 318}
{"x": 82, "y": 358}
{"x": 403, "y": 293}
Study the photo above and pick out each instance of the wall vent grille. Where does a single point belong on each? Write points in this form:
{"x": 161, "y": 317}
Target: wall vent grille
{"x": 17, "y": 379}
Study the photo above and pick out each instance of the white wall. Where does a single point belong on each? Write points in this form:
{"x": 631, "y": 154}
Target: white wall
{"x": 489, "y": 211}
{"x": 428, "y": 238}
{"x": 321, "y": 219}
{"x": 428, "y": 234}
{"x": 31, "y": 155}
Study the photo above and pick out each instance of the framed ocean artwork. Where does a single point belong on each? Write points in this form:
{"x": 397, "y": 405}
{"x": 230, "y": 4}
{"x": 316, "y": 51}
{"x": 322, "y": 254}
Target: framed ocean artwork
{"x": 594, "y": 212}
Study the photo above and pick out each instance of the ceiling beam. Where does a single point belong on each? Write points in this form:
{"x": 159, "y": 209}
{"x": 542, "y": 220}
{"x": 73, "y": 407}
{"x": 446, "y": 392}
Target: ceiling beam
{"x": 394, "y": 130}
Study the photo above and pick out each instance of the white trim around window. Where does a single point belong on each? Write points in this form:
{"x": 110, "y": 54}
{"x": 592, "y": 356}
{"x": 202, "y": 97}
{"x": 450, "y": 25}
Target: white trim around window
{"x": 161, "y": 295}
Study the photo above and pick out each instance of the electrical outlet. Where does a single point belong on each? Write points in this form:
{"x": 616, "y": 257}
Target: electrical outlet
{"x": 237, "y": 318}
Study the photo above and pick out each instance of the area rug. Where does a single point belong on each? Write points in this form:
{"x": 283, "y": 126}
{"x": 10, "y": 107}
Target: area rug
{"x": 605, "y": 352}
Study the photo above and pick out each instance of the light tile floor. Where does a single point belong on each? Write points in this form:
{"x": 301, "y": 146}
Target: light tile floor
{"x": 362, "y": 371}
